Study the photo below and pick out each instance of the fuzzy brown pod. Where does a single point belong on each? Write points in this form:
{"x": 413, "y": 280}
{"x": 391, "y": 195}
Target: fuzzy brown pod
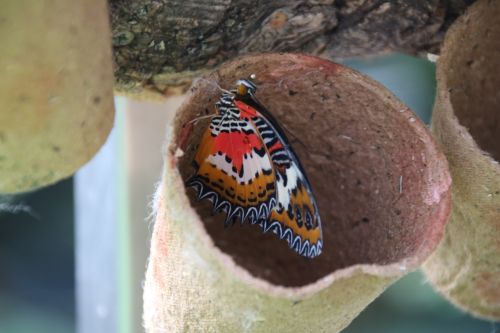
{"x": 56, "y": 89}
{"x": 382, "y": 187}
{"x": 466, "y": 124}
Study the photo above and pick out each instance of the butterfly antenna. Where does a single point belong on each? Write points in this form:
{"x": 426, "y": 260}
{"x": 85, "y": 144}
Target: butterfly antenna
{"x": 195, "y": 120}
{"x": 213, "y": 83}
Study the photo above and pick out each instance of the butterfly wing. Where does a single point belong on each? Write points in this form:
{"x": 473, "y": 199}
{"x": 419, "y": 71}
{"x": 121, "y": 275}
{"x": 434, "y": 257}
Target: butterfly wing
{"x": 234, "y": 171}
{"x": 295, "y": 217}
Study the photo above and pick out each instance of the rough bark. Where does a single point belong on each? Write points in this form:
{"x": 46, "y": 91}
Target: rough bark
{"x": 159, "y": 44}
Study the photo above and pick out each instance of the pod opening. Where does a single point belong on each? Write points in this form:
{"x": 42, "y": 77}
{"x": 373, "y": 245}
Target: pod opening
{"x": 366, "y": 156}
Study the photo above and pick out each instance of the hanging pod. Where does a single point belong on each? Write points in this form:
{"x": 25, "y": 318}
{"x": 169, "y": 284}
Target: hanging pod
{"x": 381, "y": 185}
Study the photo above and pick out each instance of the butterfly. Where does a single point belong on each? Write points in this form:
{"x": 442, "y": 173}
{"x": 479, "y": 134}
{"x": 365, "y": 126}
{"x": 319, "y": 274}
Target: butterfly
{"x": 247, "y": 168}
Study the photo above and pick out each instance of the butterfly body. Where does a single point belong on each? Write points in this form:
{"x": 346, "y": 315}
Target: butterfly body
{"x": 247, "y": 168}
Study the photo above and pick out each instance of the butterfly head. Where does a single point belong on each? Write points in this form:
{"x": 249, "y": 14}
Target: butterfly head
{"x": 246, "y": 87}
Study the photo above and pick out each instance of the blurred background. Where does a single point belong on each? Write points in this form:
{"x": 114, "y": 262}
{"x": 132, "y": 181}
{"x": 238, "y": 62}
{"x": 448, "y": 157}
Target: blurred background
{"x": 73, "y": 255}
{"x": 37, "y": 263}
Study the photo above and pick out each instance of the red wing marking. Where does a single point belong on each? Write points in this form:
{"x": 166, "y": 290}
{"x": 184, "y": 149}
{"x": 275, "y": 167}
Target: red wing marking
{"x": 235, "y": 145}
{"x": 246, "y": 110}
{"x": 234, "y": 173}
{"x": 275, "y": 147}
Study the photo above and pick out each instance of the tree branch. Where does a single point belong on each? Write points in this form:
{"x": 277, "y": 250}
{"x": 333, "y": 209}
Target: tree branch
{"x": 159, "y": 44}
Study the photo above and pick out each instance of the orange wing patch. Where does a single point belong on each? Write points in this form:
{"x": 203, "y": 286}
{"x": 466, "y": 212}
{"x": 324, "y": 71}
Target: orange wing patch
{"x": 300, "y": 225}
{"x": 235, "y": 175}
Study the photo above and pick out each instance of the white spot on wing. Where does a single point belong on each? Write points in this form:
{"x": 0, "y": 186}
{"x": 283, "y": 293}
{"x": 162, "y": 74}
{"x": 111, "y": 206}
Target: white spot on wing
{"x": 284, "y": 192}
{"x": 251, "y": 165}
